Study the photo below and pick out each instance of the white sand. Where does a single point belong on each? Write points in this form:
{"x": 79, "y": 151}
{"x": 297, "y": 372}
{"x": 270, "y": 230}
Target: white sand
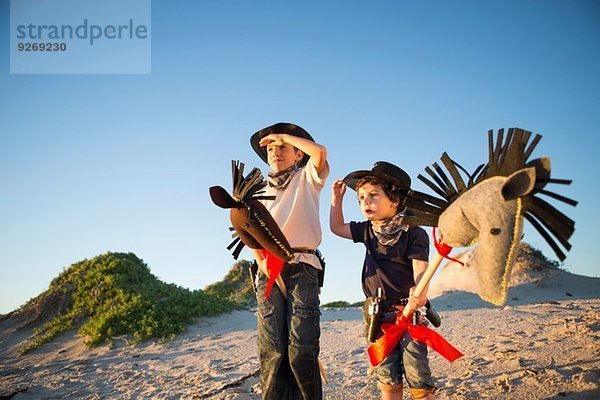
{"x": 543, "y": 345}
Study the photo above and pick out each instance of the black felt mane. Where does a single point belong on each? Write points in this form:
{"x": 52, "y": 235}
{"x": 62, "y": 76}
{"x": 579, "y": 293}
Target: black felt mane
{"x": 505, "y": 157}
{"x": 252, "y": 223}
{"x": 249, "y": 187}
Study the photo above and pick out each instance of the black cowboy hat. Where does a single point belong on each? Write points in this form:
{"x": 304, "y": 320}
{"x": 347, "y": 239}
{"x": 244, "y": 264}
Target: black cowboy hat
{"x": 280, "y": 127}
{"x": 383, "y": 170}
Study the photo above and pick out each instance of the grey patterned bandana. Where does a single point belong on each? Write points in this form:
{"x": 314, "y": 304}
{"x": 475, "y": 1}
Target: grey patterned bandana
{"x": 280, "y": 180}
{"x": 389, "y": 230}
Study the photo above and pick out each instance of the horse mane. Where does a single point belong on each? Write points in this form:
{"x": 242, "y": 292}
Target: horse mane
{"x": 506, "y": 156}
{"x": 245, "y": 190}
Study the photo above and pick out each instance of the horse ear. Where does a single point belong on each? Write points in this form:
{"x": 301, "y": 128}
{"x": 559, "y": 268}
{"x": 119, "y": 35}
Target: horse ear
{"x": 542, "y": 171}
{"x": 519, "y": 184}
{"x": 221, "y": 198}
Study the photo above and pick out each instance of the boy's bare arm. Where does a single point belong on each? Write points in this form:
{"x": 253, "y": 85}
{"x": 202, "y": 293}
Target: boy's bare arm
{"x": 419, "y": 268}
{"x": 317, "y": 152}
{"x": 336, "y": 214}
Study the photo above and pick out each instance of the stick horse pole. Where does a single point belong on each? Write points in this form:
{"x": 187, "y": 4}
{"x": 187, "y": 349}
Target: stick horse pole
{"x": 422, "y": 285}
{"x": 255, "y": 227}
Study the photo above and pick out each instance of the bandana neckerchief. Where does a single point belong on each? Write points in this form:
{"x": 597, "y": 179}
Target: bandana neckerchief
{"x": 389, "y": 230}
{"x": 280, "y": 180}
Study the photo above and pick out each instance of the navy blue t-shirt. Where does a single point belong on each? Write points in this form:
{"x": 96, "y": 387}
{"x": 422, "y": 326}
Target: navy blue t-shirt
{"x": 394, "y": 262}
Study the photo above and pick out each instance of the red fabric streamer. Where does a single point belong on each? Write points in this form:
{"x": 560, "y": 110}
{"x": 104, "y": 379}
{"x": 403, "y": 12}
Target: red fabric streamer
{"x": 274, "y": 266}
{"x": 443, "y": 248}
{"x": 392, "y": 333}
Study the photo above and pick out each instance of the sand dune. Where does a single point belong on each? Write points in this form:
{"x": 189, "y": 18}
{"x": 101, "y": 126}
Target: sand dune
{"x": 544, "y": 344}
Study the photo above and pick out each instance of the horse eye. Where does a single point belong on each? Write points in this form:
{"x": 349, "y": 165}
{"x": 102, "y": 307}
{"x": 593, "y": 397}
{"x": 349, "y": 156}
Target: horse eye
{"x": 495, "y": 231}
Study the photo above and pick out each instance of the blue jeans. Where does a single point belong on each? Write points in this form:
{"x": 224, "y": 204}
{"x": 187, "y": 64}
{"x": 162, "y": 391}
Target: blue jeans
{"x": 288, "y": 335}
{"x": 408, "y": 359}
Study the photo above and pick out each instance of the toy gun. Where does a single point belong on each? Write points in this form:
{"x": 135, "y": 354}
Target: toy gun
{"x": 432, "y": 315}
{"x": 429, "y": 313}
{"x": 375, "y": 310}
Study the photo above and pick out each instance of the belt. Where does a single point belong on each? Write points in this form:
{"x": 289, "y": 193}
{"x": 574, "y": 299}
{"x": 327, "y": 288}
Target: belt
{"x": 390, "y": 305}
{"x": 397, "y": 305}
{"x": 303, "y": 250}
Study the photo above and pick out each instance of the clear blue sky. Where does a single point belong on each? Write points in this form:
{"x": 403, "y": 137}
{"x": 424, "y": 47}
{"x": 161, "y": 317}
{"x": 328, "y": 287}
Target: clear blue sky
{"x": 97, "y": 163}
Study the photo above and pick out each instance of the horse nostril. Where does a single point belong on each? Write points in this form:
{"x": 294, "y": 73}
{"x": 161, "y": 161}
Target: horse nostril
{"x": 495, "y": 231}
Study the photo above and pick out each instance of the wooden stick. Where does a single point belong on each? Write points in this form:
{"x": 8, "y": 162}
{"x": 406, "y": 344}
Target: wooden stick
{"x": 425, "y": 279}
{"x": 323, "y": 372}
{"x": 279, "y": 282}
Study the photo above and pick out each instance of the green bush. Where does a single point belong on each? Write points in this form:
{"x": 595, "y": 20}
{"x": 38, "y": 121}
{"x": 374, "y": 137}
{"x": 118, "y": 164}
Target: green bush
{"x": 336, "y": 304}
{"x": 236, "y": 286}
{"x": 342, "y": 304}
{"x": 115, "y": 294}
{"x": 531, "y": 258}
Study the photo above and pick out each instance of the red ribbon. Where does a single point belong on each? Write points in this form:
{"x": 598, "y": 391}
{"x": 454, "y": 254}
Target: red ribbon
{"x": 274, "y": 266}
{"x": 392, "y": 333}
{"x": 443, "y": 248}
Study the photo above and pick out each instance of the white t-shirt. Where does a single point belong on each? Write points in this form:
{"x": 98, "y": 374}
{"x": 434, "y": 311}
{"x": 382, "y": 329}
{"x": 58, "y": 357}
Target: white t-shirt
{"x": 296, "y": 211}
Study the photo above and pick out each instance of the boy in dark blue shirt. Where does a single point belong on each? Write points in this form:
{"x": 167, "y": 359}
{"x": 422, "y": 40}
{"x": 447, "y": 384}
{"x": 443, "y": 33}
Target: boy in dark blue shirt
{"x": 396, "y": 258}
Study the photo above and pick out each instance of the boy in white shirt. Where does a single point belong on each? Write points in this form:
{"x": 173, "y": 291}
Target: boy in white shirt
{"x": 288, "y": 328}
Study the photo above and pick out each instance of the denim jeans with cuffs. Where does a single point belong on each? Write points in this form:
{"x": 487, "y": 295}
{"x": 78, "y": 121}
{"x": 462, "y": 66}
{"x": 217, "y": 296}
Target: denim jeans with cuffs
{"x": 288, "y": 335}
{"x": 408, "y": 359}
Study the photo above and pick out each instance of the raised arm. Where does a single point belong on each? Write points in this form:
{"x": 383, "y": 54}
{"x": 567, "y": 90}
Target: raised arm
{"x": 317, "y": 152}
{"x": 336, "y": 215}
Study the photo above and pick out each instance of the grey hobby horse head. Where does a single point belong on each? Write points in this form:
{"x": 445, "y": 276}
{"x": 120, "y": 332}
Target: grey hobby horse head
{"x": 489, "y": 208}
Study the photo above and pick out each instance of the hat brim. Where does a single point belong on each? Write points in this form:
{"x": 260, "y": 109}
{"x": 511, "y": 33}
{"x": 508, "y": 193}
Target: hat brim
{"x": 280, "y": 127}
